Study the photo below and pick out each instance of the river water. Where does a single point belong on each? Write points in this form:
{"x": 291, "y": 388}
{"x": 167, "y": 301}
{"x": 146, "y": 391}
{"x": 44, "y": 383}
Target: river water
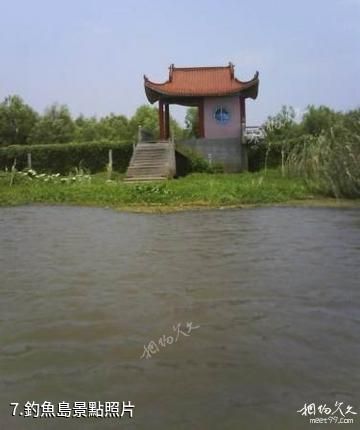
{"x": 267, "y": 300}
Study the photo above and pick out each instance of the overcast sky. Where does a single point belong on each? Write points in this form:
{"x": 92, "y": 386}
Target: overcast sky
{"x": 91, "y": 55}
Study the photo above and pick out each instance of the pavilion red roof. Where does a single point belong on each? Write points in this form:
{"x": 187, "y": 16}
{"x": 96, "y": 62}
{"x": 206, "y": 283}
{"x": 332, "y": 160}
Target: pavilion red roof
{"x": 185, "y": 82}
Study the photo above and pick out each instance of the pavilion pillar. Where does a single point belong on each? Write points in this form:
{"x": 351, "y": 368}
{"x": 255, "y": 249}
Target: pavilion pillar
{"x": 161, "y": 120}
{"x": 201, "y": 119}
{"x": 242, "y": 118}
{"x": 243, "y": 147}
{"x": 167, "y": 121}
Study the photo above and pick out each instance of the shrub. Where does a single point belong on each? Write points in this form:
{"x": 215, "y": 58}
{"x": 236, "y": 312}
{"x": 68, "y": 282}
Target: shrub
{"x": 196, "y": 162}
{"x": 62, "y": 158}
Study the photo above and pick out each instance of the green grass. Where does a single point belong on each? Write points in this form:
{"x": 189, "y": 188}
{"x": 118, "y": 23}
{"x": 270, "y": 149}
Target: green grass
{"x": 196, "y": 190}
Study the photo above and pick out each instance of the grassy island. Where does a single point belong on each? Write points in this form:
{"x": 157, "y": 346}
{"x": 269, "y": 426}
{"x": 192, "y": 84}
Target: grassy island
{"x": 199, "y": 190}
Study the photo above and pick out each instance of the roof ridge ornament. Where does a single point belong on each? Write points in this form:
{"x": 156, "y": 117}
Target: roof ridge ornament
{"x": 171, "y": 69}
{"x": 232, "y": 67}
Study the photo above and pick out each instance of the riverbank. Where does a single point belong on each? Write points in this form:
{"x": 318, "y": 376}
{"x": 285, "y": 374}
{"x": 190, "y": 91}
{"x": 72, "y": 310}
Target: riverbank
{"x": 197, "y": 191}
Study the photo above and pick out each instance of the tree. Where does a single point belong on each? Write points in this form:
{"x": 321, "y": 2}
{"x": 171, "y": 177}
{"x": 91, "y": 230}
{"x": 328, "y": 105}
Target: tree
{"x": 17, "y": 119}
{"x": 86, "y": 129}
{"x": 319, "y": 119}
{"x": 55, "y": 126}
{"x": 114, "y": 127}
{"x": 192, "y": 122}
{"x": 352, "y": 121}
{"x": 280, "y": 130}
{"x": 148, "y": 118}
{"x": 176, "y": 130}
{"x": 282, "y": 125}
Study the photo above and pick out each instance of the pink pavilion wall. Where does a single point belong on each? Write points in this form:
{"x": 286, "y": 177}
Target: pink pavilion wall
{"x": 216, "y": 130}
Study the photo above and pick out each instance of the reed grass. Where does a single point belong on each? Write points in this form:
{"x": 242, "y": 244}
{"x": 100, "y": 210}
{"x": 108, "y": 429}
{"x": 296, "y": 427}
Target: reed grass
{"x": 330, "y": 161}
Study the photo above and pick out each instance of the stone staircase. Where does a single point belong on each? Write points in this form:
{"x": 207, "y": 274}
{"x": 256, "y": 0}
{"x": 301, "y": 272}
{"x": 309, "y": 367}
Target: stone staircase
{"x": 153, "y": 161}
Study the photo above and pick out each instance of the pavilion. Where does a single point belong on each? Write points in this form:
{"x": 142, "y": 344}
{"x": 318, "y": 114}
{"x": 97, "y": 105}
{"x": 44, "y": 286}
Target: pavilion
{"x": 220, "y": 99}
